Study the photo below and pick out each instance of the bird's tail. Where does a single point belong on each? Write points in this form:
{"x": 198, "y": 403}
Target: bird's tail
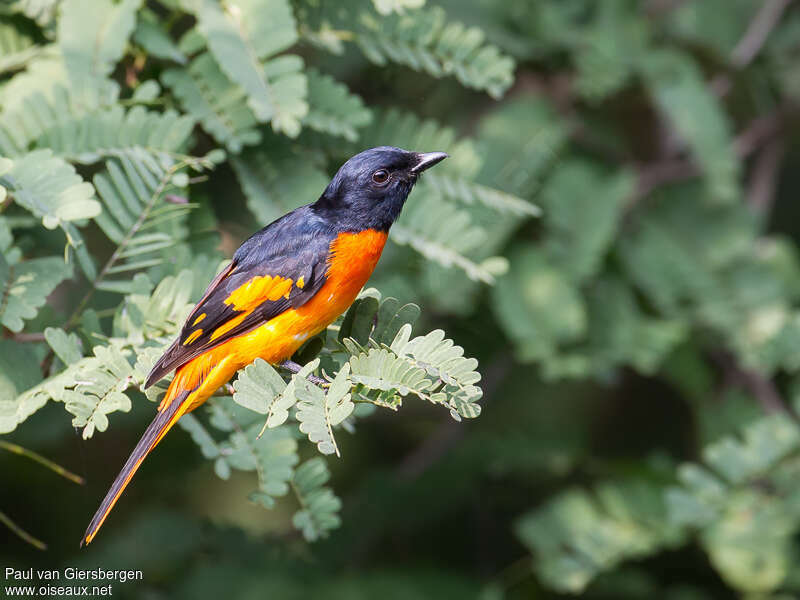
{"x": 192, "y": 385}
{"x": 163, "y": 422}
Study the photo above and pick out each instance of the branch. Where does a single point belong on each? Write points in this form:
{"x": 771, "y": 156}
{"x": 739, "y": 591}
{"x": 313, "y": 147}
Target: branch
{"x": 762, "y": 388}
{"x": 760, "y": 131}
{"x": 761, "y": 188}
{"x": 19, "y": 450}
{"x": 751, "y": 42}
{"x": 758, "y": 31}
{"x": 20, "y": 532}
{"x": 28, "y": 338}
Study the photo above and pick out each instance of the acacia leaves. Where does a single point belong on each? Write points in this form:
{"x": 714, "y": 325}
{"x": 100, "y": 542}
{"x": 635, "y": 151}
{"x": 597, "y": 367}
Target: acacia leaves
{"x": 244, "y": 37}
{"x": 50, "y": 189}
{"x": 319, "y": 411}
{"x": 25, "y": 287}
{"x": 739, "y": 502}
{"x": 384, "y": 365}
{"x": 113, "y": 113}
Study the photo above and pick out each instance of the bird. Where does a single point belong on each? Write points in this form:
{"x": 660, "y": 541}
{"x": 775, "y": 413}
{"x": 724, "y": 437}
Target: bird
{"x": 285, "y": 284}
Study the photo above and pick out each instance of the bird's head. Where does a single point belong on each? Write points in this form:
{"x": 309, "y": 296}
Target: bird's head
{"x": 369, "y": 190}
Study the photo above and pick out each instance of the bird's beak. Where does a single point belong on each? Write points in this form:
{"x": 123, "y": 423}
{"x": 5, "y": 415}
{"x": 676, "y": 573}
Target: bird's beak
{"x": 426, "y": 160}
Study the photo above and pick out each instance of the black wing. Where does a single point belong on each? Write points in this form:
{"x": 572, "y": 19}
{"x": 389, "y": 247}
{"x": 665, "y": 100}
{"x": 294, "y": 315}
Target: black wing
{"x": 281, "y": 267}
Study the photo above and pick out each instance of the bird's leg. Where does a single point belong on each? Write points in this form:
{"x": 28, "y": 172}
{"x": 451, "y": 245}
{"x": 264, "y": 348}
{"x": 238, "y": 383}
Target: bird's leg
{"x": 292, "y": 366}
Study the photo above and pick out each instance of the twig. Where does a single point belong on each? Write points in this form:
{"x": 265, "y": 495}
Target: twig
{"x": 750, "y": 44}
{"x": 123, "y": 244}
{"x": 761, "y": 129}
{"x": 28, "y": 338}
{"x": 20, "y": 532}
{"x": 758, "y": 31}
{"x": 293, "y": 367}
{"x": 45, "y": 462}
{"x": 761, "y": 387}
{"x": 761, "y": 188}
{"x": 671, "y": 170}
{"x": 657, "y": 174}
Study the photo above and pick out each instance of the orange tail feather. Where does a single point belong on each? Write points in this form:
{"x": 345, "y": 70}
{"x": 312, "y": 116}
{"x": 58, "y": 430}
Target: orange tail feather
{"x": 155, "y": 431}
{"x": 192, "y": 385}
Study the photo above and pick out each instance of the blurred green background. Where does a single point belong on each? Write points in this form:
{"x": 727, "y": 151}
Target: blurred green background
{"x": 639, "y": 340}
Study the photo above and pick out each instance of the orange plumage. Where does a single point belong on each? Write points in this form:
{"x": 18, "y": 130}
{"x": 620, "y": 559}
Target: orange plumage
{"x": 285, "y": 284}
{"x": 352, "y": 259}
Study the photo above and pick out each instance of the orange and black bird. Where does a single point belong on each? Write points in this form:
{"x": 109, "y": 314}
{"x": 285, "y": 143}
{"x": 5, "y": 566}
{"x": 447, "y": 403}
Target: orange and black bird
{"x": 284, "y": 285}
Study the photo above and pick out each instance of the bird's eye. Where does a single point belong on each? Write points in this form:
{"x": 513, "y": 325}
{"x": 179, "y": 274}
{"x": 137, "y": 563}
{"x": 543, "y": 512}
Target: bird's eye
{"x": 380, "y": 176}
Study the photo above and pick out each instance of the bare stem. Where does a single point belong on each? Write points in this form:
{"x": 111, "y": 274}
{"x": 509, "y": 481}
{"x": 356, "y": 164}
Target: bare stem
{"x": 20, "y": 532}
{"x": 45, "y": 462}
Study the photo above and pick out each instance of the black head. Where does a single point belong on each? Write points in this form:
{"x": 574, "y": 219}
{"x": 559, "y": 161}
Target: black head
{"x": 369, "y": 190}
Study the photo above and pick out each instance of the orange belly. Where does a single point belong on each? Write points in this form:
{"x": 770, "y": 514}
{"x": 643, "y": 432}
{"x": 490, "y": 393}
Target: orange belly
{"x": 353, "y": 258}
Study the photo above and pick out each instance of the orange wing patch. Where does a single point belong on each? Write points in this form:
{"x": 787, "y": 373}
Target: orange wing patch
{"x": 258, "y": 289}
{"x": 198, "y": 319}
{"x": 301, "y": 282}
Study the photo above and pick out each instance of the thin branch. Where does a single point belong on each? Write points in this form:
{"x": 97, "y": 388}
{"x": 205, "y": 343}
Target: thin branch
{"x": 45, "y": 462}
{"x": 672, "y": 170}
{"x": 758, "y": 31}
{"x": 28, "y": 338}
{"x": 762, "y": 388}
{"x": 761, "y": 129}
{"x": 121, "y": 247}
{"x": 750, "y": 44}
{"x": 21, "y": 533}
{"x": 761, "y": 188}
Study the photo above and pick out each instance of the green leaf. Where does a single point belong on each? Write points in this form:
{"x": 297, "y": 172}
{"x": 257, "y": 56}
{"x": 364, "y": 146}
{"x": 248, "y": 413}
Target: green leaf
{"x": 16, "y": 48}
{"x": 582, "y": 208}
{"x": 319, "y": 412}
{"x": 219, "y": 105}
{"x": 442, "y": 359}
{"x": 19, "y": 370}
{"x": 382, "y": 370}
{"x": 99, "y": 389}
{"x": 538, "y": 308}
{"x": 114, "y": 131}
{"x": 276, "y": 180}
{"x": 442, "y": 233}
{"x": 154, "y": 40}
{"x": 743, "y": 503}
{"x": 374, "y": 318}
{"x": 67, "y": 346}
{"x": 42, "y": 11}
{"x": 244, "y": 39}
{"x": 272, "y": 455}
{"x": 26, "y": 286}
{"x": 333, "y": 109}
{"x": 319, "y": 506}
{"x": 682, "y": 94}
{"x": 90, "y": 58}
{"x": 426, "y": 40}
{"x": 138, "y": 218}
{"x": 258, "y": 387}
{"x": 386, "y": 7}
{"x": 51, "y": 189}
{"x": 577, "y": 534}
{"x": 94, "y": 386}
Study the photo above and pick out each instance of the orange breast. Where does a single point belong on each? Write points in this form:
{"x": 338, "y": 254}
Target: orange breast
{"x": 353, "y": 258}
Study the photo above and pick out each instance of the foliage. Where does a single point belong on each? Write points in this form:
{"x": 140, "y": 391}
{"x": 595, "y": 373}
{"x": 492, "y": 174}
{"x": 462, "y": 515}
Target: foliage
{"x": 612, "y": 239}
